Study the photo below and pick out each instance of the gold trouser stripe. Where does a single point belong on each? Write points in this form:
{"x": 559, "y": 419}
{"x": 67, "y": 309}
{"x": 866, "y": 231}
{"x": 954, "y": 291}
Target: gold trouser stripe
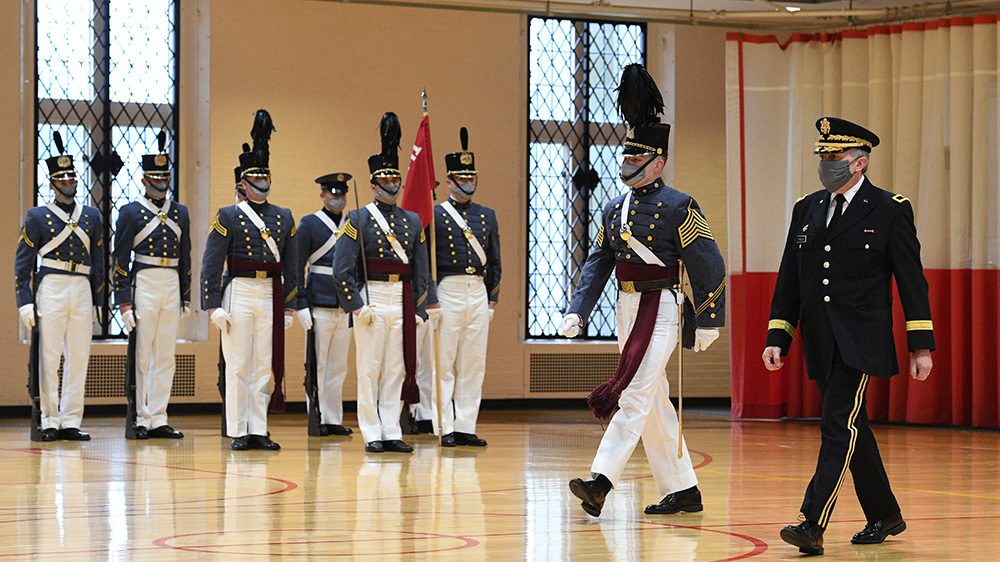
{"x": 859, "y": 398}
{"x": 917, "y": 325}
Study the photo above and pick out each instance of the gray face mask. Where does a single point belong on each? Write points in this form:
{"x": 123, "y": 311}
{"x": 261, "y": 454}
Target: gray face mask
{"x": 335, "y": 204}
{"x": 633, "y": 175}
{"x": 834, "y": 174}
{"x": 159, "y": 188}
{"x": 389, "y": 192}
{"x": 68, "y": 192}
{"x": 259, "y": 188}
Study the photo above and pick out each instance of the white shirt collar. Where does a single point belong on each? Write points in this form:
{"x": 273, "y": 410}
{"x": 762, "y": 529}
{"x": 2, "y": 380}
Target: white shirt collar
{"x": 850, "y": 193}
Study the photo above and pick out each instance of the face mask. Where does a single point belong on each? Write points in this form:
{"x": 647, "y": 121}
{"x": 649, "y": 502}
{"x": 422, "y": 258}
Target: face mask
{"x": 335, "y": 204}
{"x": 259, "y": 188}
{"x": 631, "y": 174}
{"x": 389, "y": 192}
{"x": 67, "y": 191}
{"x": 833, "y": 174}
{"x": 159, "y": 187}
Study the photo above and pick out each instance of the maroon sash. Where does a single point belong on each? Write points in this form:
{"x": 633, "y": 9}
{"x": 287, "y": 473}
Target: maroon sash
{"x": 277, "y": 404}
{"x": 604, "y": 398}
{"x": 411, "y": 393}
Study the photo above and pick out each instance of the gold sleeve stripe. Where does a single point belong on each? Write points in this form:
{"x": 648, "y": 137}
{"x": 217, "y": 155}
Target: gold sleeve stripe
{"x": 24, "y": 236}
{"x": 120, "y": 271}
{"x": 781, "y": 325}
{"x": 294, "y": 229}
{"x": 695, "y": 226}
{"x": 291, "y": 295}
{"x": 423, "y": 297}
{"x": 349, "y": 230}
{"x": 100, "y": 242}
{"x": 495, "y": 290}
{"x": 918, "y": 325}
{"x": 712, "y": 297}
{"x": 600, "y": 236}
{"x": 423, "y": 237}
{"x": 217, "y": 226}
{"x": 899, "y": 198}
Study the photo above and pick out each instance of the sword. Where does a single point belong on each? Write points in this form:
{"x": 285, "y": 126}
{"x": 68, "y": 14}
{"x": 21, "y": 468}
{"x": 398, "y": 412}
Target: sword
{"x": 130, "y": 384}
{"x": 313, "y": 413}
{"x": 222, "y": 387}
{"x": 33, "y": 383}
{"x": 361, "y": 241}
{"x": 680, "y": 359}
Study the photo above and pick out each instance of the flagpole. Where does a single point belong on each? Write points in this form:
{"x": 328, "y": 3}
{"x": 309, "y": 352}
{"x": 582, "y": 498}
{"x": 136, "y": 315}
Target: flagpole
{"x": 434, "y": 329}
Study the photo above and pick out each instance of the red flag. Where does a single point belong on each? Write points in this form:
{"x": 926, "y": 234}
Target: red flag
{"x": 418, "y": 191}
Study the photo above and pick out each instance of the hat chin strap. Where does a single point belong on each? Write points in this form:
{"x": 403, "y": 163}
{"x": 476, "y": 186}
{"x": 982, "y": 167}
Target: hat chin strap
{"x": 626, "y": 179}
{"x": 458, "y": 185}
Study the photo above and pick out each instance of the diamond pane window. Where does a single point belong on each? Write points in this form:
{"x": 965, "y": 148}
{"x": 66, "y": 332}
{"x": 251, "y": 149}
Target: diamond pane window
{"x": 106, "y": 79}
{"x": 574, "y": 137}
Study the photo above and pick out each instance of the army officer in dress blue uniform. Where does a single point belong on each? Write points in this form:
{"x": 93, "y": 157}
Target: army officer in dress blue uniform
{"x": 252, "y": 304}
{"x": 468, "y": 286}
{"x": 393, "y": 277}
{"x": 60, "y": 294}
{"x": 154, "y": 288}
{"x": 643, "y": 234}
{"x": 317, "y": 238}
{"x": 845, "y": 244}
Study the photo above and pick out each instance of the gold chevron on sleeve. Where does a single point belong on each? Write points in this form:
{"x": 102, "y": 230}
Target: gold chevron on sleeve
{"x": 918, "y": 325}
{"x": 24, "y": 236}
{"x": 119, "y": 270}
{"x": 423, "y": 237}
{"x": 712, "y": 297}
{"x": 291, "y": 295}
{"x": 600, "y": 236}
{"x": 694, "y": 227}
{"x": 349, "y": 230}
{"x": 217, "y": 227}
{"x": 294, "y": 230}
{"x": 782, "y": 325}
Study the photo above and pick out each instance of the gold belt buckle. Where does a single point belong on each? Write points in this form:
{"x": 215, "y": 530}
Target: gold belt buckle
{"x": 628, "y": 286}
{"x": 261, "y": 274}
{"x": 470, "y": 270}
{"x": 164, "y": 262}
{"x": 72, "y": 266}
{"x": 394, "y": 278}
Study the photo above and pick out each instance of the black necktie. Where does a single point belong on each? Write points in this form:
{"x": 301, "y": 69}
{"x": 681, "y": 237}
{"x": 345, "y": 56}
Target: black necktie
{"x": 838, "y": 209}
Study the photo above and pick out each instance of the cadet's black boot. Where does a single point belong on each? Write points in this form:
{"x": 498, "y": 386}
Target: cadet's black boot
{"x": 163, "y": 432}
{"x": 263, "y": 442}
{"x": 469, "y": 440}
{"x": 50, "y": 434}
{"x": 337, "y": 429}
{"x": 241, "y": 443}
{"x": 141, "y": 432}
{"x": 807, "y": 535}
{"x": 877, "y": 531}
{"x": 592, "y": 492}
{"x": 678, "y": 502}
{"x": 396, "y": 446}
{"x": 73, "y": 434}
{"x": 374, "y": 447}
{"x": 448, "y": 440}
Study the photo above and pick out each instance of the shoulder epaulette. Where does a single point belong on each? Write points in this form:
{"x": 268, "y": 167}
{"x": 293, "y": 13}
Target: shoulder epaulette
{"x": 898, "y": 198}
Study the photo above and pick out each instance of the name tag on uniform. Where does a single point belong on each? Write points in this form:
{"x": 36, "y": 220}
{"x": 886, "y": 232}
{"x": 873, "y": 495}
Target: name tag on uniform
{"x": 802, "y": 239}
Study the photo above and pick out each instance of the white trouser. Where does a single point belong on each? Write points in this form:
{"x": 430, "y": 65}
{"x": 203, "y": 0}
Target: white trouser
{"x": 465, "y": 328}
{"x": 380, "y": 366}
{"x": 158, "y": 313}
{"x": 65, "y": 317}
{"x": 247, "y": 348}
{"x": 332, "y": 334}
{"x": 425, "y": 410}
{"x": 644, "y": 407}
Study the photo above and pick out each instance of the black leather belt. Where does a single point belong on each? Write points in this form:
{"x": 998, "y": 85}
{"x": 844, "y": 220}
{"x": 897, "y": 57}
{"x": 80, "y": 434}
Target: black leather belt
{"x": 255, "y": 273}
{"x": 390, "y": 277}
{"x": 470, "y": 270}
{"x": 646, "y": 286}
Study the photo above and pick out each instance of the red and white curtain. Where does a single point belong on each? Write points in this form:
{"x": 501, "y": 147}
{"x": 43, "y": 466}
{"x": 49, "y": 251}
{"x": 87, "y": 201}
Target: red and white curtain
{"x": 929, "y": 90}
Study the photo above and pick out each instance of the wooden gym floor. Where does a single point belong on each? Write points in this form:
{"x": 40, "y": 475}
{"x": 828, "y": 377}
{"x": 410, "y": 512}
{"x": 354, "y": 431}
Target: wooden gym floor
{"x": 324, "y": 498}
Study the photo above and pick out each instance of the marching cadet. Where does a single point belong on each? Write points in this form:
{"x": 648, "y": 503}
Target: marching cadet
{"x": 643, "y": 235}
{"x": 393, "y": 275}
{"x": 254, "y": 240}
{"x": 845, "y": 244}
{"x": 468, "y": 286}
{"x": 57, "y": 299}
{"x": 154, "y": 292}
{"x": 316, "y": 239}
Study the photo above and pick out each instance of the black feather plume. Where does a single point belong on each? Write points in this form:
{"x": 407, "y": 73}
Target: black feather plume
{"x": 463, "y": 135}
{"x": 390, "y": 133}
{"x": 261, "y": 135}
{"x": 59, "y": 143}
{"x": 161, "y": 140}
{"x": 639, "y": 99}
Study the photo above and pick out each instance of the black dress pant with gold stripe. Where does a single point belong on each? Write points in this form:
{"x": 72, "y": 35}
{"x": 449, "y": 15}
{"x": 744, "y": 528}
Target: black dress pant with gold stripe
{"x": 848, "y": 444}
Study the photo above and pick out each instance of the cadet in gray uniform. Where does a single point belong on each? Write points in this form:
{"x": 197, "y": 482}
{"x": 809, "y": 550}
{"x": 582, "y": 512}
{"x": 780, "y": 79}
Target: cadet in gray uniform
{"x": 252, "y": 304}
{"x": 393, "y": 276}
{"x": 643, "y": 234}
{"x": 154, "y": 288}
{"x": 59, "y": 295}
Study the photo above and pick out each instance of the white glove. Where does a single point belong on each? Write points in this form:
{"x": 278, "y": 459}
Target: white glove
{"x": 703, "y": 337}
{"x": 289, "y": 320}
{"x": 305, "y": 318}
{"x": 491, "y": 314}
{"x": 221, "y": 319}
{"x": 420, "y": 321}
{"x": 571, "y": 325}
{"x": 27, "y": 314}
{"x": 434, "y": 316}
{"x": 185, "y": 310}
{"x": 128, "y": 319}
{"x": 365, "y": 316}
{"x": 97, "y": 315}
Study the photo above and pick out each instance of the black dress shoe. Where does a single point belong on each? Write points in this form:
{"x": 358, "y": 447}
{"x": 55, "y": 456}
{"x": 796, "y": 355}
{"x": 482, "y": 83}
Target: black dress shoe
{"x": 141, "y": 432}
{"x": 469, "y": 440}
{"x": 374, "y": 447}
{"x": 396, "y": 446}
{"x": 592, "y": 492}
{"x": 678, "y": 502}
{"x": 424, "y": 426}
{"x": 165, "y": 432}
{"x": 50, "y": 434}
{"x": 448, "y": 440}
{"x": 73, "y": 434}
{"x": 263, "y": 442}
{"x": 336, "y": 429}
{"x": 877, "y": 531}
{"x": 807, "y": 535}
{"x": 241, "y": 443}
